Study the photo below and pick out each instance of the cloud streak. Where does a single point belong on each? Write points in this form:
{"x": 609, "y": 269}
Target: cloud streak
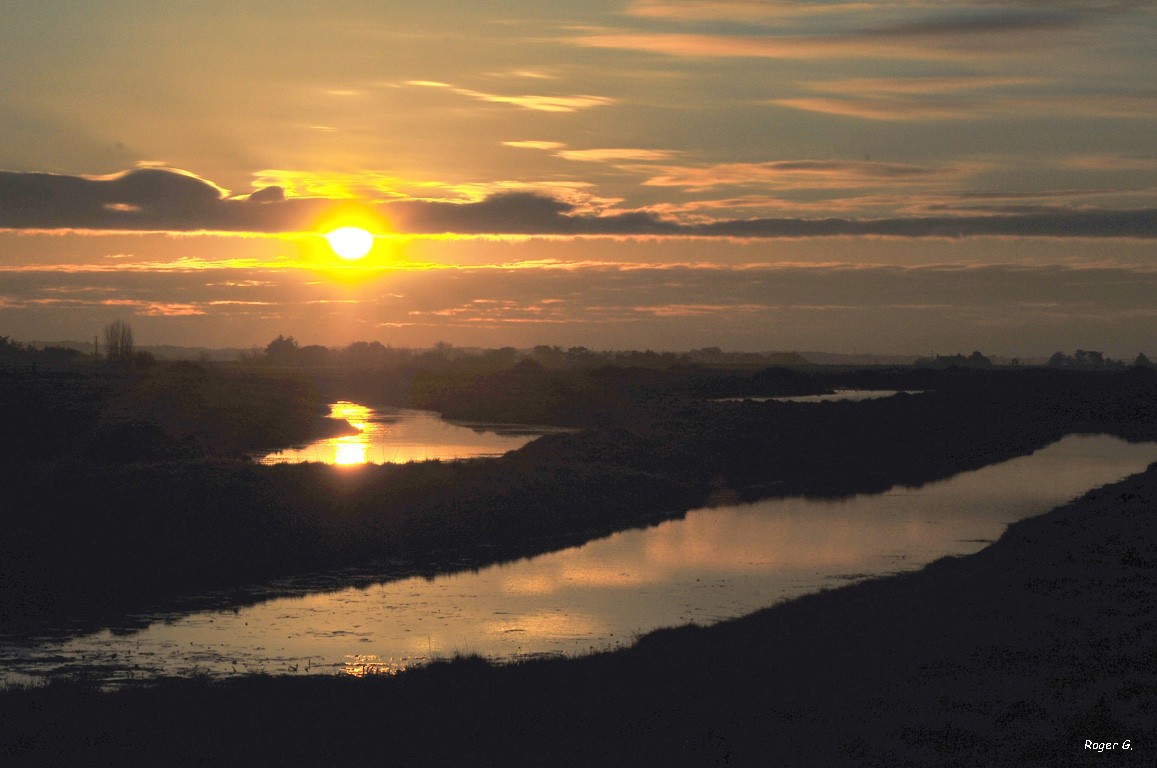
{"x": 856, "y": 29}
{"x": 950, "y": 36}
{"x": 534, "y": 215}
{"x": 804, "y": 174}
{"x": 614, "y": 155}
{"x": 888, "y": 106}
{"x": 753, "y": 10}
{"x": 533, "y": 102}
{"x": 664, "y": 306}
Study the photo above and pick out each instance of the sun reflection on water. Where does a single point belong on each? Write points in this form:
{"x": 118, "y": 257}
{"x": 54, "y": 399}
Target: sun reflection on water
{"x": 366, "y": 665}
{"x": 357, "y": 415}
{"x": 351, "y": 450}
{"x": 545, "y": 623}
{"x": 398, "y": 435}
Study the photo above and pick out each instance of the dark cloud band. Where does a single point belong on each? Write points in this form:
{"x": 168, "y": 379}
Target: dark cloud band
{"x": 154, "y": 199}
{"x": 145, "y": 199}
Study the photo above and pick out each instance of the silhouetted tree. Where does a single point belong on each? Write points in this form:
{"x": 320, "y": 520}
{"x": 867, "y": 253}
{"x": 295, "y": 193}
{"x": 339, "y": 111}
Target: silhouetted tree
{"x": 314, "y": 354}
{"x": 549, "y": 357}
{"x": 9, "y": 349}
{"x": 118, "y": 342}
{"x": 283, "y": 349}
{"x": 979, "y": 360}
{"x": 1087, "y": 358}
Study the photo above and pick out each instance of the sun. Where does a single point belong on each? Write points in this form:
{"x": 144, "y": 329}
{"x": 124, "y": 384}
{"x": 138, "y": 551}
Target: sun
{"x": 351, "y": 243}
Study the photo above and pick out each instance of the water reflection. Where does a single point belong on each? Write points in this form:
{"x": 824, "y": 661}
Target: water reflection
{"x": 714, "y": 564}
{"x": 839, "y": 395}
{"x": 365, "y": 665}
{"x": 399, "y": 435}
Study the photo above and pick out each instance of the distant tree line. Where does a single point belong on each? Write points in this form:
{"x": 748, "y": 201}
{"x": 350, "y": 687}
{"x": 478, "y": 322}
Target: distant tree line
{"x": 286, "y": 350}
{"x": 1083, "y": 359}
{"x": 14, "y": 353}
{"x": 975, "y": 360}
{"x": 120, "y": 351}
{"x": 1091, "y": 360}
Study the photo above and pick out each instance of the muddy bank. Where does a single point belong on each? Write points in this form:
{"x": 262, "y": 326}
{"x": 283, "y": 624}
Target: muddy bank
{"x": 1014, "y": 656}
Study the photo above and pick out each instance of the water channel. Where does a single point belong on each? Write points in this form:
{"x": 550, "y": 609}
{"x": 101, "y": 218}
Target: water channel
{"x": 710, "y": 565}
{"x": 399, "y": 435}
{"x": 849, "y": 395}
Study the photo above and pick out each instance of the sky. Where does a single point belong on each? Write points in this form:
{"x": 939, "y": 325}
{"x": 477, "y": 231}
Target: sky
{"x": 888, "y": 176}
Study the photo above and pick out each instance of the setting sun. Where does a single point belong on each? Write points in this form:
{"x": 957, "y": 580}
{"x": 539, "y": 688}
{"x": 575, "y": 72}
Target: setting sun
{"x": 350, "y": 242}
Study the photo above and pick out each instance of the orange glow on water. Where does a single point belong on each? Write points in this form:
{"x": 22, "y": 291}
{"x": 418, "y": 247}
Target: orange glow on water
{"x": 365, "y": 665}
{"x": 397, "y": 436}
{"x": 357, "y": 415}
{"x": 353, "y": 452}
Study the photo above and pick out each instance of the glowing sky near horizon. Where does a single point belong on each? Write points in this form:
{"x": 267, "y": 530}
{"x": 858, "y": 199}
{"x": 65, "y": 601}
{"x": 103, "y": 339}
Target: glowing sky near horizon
{"x": 890, "y": 175}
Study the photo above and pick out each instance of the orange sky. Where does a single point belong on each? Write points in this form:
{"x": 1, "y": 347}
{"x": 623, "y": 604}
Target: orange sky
{"x": 890, "y": 175}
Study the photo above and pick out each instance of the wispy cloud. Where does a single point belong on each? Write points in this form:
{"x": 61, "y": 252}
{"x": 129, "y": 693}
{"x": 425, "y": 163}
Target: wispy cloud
{"x": 804, "y": 174}
{"x": 756, "y": 10}
{"x": 862, "y": 29}
{"x": 541, "y": 103}
{"x": 135, "y": 306}
{"x": 706, "y": 10}
{"x": 887, "y": 109}
{"x": 700, "y": 310}
{"x": 704, "y": 45}
{"x": 272, "y": 182}
{"x": 534, "y": 102}
{"x": 598, "y": 155}
{"x": 1104, "y": 162}
{"x": 956, "y": 99}
{"x": 615, "y": 155}
{"x": 918, "y": 86}
{"x": 908, "y": 98}
{"x": 545, "y": 145}
{"x": 947, "y": 40}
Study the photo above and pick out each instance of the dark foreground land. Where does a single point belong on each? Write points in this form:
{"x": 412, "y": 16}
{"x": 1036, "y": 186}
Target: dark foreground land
{"x": 125, "y": 490}
{"x": 1015, "y": 656}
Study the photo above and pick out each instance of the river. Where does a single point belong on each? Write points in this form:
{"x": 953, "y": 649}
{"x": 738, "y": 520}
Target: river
{"x": 399, "y": 435}
{"x": 710, "y": 565}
